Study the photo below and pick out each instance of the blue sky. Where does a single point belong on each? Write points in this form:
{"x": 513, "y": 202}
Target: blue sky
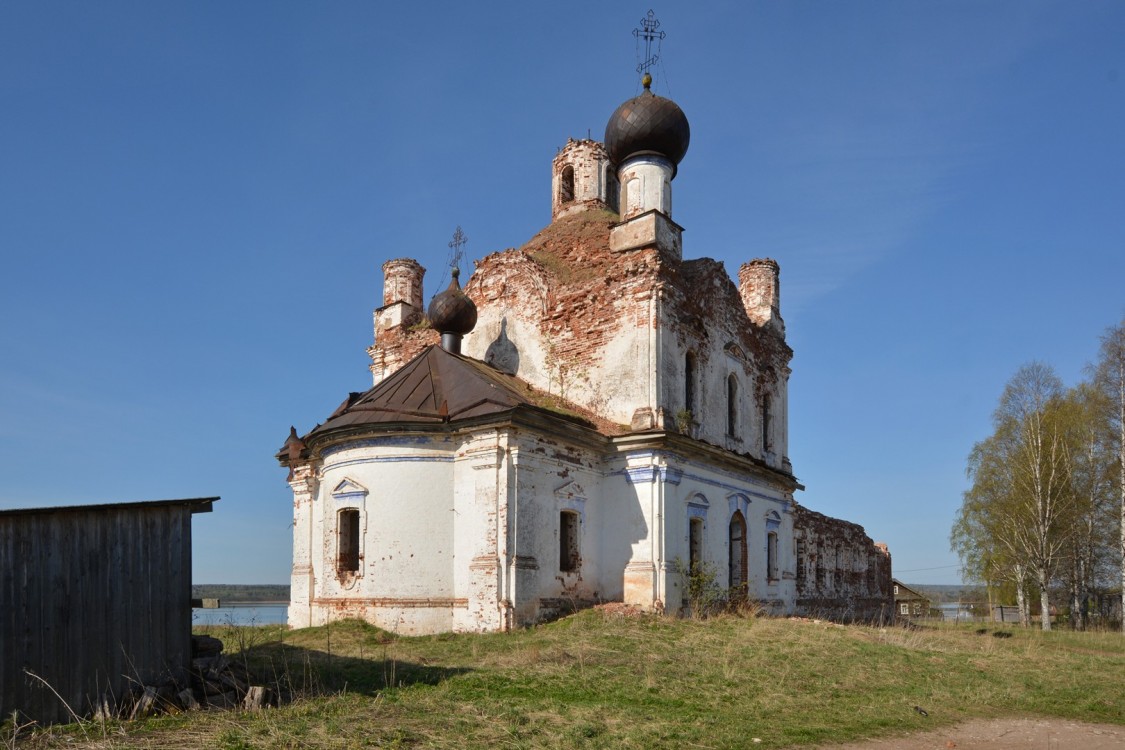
{"x": 196, "y": 199}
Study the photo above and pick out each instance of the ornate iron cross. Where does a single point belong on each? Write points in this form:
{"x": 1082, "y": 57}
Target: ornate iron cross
{"x": 649, "y": 32}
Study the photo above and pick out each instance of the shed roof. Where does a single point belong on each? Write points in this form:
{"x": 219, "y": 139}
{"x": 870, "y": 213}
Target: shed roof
{"x": 196, "y": 504}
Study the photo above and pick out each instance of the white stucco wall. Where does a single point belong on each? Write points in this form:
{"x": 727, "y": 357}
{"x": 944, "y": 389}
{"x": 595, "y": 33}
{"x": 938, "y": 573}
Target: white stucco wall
{"x": 405, "y": 580}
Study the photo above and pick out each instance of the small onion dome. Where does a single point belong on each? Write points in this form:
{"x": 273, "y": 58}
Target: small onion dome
{"x": 452, "y": 311}
{"x": 647, "y": 124}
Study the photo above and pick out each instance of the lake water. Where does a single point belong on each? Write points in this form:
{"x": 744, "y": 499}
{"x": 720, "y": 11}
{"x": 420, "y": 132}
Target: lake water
{"x": 961, "y": 612}
{"x": 242, "y": 614}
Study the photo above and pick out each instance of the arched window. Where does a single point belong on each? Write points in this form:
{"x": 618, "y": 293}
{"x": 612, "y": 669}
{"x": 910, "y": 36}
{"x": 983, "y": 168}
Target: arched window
{"x": 566, "y": 185}
{"x": 689, "y": 382}
{"x": 737, "y": 556}
{"x": 732, "y": 405}
{"x": 766, "y": 444}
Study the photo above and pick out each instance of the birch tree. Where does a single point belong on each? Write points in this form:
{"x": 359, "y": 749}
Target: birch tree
{"x": 1091, "y": 484}
{"x": 1109, "y": 377}
{"x": 1021, "y": 498}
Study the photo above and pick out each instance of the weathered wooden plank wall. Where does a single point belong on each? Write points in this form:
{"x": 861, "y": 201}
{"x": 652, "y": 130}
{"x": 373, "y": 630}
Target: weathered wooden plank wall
{"x": 92, "y": 600}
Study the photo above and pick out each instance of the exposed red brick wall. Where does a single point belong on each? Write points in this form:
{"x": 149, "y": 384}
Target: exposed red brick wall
{"x": 841, "y": 573}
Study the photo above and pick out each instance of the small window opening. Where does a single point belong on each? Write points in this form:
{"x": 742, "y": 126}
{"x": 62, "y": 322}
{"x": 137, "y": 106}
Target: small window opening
{"x": 612, "y": 190}
{"x": 771, "y": 556}
{"x": 689, "y": 382}
{"x": 766, "y": 445}
{"x": 904, "y": 609}
{"x": 695, "y": 545}
{"x": 566, "y": 185}
{"x": 801, "y": 567}
{"x": 568, "y": 541}
{"x": 732, "y": 405}
{"x": 347, "y": 545}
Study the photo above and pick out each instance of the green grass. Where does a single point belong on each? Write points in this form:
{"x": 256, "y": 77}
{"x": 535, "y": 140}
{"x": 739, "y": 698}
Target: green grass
{"x": 596, "y": 680}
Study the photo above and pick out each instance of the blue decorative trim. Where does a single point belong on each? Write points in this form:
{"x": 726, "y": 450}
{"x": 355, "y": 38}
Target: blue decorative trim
{"x": 640, "y": 474}
{"x": 738, "y": 502}
{"x": 675, "y": 460}
{"x": 649, "y": 474}
{"x": 395, "y": 441}
{"x": 392, "y": 460}
{"x": 698, "y": 501}
{"x": 773, "y": 521}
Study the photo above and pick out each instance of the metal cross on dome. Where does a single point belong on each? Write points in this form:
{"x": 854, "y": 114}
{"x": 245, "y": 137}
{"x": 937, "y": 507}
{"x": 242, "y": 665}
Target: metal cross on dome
{"x": 649, "y": 32}
{"x": 455, "y": 247}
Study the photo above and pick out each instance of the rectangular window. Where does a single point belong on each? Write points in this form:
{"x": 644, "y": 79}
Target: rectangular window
{"x": 771, "y": 556}
{"x": 695, "y": 544}
{"x": 568, "y": 541}
{"x": 896, "y": 590}
{"x": 800, "y": 561}
{"x": 904, "y": 609}
{"x": 347, "y": 541}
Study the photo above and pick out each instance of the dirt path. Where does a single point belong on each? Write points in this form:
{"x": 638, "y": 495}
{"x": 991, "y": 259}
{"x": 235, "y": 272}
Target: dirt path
{"x": 1004, "y": 734}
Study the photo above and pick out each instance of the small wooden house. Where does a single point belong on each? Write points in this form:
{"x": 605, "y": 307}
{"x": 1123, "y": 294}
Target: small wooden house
{"x": 908, "y": 602}
{"x": 94, "y": 599}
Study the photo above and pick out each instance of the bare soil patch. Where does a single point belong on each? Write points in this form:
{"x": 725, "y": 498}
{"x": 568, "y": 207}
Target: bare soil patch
{"x": 1003, "y": 734}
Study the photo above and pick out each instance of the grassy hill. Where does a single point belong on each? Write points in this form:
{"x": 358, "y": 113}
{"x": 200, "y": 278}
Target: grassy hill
{"x": 604, "y": 679}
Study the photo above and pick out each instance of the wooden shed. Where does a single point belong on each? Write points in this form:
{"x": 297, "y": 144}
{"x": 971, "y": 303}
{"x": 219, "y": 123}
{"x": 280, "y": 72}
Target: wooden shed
{"x": 94, "y": 600}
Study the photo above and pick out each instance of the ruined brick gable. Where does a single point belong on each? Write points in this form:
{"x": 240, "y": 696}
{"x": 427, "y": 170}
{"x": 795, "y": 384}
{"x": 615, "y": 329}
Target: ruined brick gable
{"x": 564, "y": 300}
{"x": 707, "y": 309}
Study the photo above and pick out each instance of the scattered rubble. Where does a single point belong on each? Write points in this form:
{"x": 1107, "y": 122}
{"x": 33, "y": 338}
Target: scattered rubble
{"x": 216, "y": 682}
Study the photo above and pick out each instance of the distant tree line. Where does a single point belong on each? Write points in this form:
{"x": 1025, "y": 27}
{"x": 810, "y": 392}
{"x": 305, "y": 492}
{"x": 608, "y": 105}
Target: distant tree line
{"x": 1045, "y": 513}
{"x": 239, "y": 592}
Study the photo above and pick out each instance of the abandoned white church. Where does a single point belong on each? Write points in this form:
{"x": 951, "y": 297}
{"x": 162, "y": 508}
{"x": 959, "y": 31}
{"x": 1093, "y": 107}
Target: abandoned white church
{"x": 592, "y": 414}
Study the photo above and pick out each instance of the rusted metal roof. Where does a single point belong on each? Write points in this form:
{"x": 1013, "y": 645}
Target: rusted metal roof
{"x": 436, "y": 386}
{"x": 647, "y": 124}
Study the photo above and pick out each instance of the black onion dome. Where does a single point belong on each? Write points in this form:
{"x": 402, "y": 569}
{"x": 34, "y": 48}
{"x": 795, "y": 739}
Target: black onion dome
{"x": 452, "y": 311}
{"x": 647, "y": 124}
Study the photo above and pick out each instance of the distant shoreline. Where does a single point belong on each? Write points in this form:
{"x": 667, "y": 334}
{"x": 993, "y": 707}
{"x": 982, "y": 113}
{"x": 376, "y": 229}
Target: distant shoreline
{"x": 242, "y": 594}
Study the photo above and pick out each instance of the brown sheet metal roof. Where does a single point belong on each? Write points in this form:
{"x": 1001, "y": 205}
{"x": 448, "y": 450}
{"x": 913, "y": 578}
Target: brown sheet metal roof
{"x": 436, "y": 386}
